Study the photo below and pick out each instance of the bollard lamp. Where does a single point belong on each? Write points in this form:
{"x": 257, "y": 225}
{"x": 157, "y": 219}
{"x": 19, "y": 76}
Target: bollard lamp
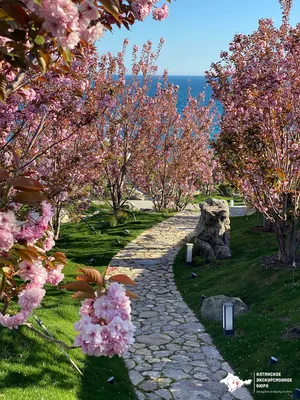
{"x": 189, "y": 253}
{"x": 228, "y": 319}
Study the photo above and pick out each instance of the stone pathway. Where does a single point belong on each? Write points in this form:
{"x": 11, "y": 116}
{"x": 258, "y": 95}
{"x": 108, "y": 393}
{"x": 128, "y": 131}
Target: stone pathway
{"x": 172, "y": 357}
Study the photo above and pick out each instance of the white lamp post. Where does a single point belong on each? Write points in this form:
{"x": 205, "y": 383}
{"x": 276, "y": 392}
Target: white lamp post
{"x": 189, "y": 253}
{"x": 231, "y": 203}
{"x": 228, "y": 319}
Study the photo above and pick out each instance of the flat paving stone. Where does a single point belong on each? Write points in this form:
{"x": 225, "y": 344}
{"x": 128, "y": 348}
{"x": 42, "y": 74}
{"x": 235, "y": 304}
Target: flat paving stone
{"x": 155, "y": 339}
{"x": 172, "y": 357}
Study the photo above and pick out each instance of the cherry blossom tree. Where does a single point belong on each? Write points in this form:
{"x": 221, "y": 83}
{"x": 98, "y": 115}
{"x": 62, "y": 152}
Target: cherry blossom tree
{"x": 38, "y": 34}
{"x": 177, "y": 156}
{"x": 258, "y": 84}
{"x": 45, "y": 123}
{"x": 43, "y": 145}
{"x": 50, "y": 91}
{"x": 125, "y": 128}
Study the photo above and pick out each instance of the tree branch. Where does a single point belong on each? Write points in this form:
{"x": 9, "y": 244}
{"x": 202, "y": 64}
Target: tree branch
{"x": 51, "y": 339}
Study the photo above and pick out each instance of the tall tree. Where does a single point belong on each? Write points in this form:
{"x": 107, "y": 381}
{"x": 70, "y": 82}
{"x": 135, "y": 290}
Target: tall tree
{"x": 125, "y": 128}
{"x": 177, "y": 157}
{"x": 258, "y": 84}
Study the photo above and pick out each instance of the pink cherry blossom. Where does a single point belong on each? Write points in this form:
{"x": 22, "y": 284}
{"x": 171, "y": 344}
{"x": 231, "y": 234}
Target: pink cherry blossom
{"x": 31, "y": 298}
{"x": 55, "y": 276}
{"x": 88, "y": 9}
{"x": 93, "y": 33}
{"x": 14, "y": 321}
{"x": 105, "y": 326}
{"x": 6, "y": 239}
{"x": 160, "y": 13}
{"x": 49, "y": 242}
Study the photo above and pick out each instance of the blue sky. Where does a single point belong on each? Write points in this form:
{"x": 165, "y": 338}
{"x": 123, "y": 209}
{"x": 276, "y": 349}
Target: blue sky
{"x": 196, "y": 31}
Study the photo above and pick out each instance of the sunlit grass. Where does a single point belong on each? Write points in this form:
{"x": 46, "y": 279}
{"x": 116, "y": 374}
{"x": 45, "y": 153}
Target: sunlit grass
{"x": 33, "y": 369}
{"x": 274, "y": 305}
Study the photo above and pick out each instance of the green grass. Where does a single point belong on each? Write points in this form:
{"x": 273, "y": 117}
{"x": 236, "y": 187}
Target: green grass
{"x": 199, "y": 198}
{"x": 33, "y": 369}
{"x": 271, "y": 298}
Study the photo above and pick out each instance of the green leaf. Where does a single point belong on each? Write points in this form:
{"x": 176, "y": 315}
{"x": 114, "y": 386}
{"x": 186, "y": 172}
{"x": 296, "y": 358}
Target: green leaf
{"x": 39, "y": 40}
{"x": 67, "y": 56}
{"x": 38, "y": 2}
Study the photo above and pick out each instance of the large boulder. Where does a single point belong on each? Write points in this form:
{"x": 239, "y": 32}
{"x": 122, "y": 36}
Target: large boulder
{"x": 129, "y": 206}
{"x": 213, "y": 230}
{"x": 136, "y": 195}
{"x": 212, "y": 307}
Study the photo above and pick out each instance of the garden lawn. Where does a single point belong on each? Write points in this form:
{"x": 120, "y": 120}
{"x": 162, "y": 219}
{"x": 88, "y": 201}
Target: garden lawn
{"x": 34, "y": 369}
{"x": 274, "y": 305}
{"x": 200, "y": 198}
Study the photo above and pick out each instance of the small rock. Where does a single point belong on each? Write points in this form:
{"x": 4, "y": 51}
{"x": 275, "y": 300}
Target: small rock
{"x": 130, "y": 364}
{"x": 135, "y": 377}
{"x": 241, "y": 394}
{"x": 227, "y": 367}
{"x": 164, "y": 394}
{"x": 201, "y": 376}
{"x": 155, "y": 339}
{"x": 211, "y": 352}
{"x": 140, "y": 395}
{"x": 148, "y": 386}
{"x": 163, "y": 382}
{"x": 175, "y": 374}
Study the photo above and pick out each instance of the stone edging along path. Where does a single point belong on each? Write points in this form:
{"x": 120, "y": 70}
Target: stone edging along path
{"x": 172, "y": 357}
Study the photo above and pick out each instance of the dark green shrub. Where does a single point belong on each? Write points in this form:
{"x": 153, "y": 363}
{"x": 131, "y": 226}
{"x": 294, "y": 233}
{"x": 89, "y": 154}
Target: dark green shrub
{"x": 225, "y": 190}
{"x": 122, "y": 216}
{"x": 112, "y": 221}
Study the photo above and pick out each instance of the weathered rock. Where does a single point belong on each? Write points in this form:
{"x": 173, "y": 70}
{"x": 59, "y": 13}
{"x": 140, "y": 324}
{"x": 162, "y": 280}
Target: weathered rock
{"x": 213, "y": 230}
{"x": 136, "y": 195}
{"x": 212, "y": 307}
{"x": 129, "y": 206}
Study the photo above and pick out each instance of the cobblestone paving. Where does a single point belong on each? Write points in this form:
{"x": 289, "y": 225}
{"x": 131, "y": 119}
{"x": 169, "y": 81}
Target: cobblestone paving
{"x": 172, "y": 357}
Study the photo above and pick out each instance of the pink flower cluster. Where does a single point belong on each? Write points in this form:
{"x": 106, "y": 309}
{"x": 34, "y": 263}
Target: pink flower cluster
{"x": 12, "y": 230}
{"x": 69, "y": 22}
{"x": 105, "y": 326}
{"x": 160, "y": 13}
{"x": 34, "y": 272}
{"x": 34, "y": 229}
{"x": 9, "y": 228}
{"x": 32, "y": 296}
{"x": 142, "y": 8}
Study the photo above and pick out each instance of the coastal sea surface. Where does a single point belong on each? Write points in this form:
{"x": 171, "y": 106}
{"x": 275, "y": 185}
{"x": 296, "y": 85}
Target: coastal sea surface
{"x": 197, "y": 84}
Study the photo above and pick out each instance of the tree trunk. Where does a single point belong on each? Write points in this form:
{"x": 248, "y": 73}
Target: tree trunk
{"x": 115, "y": 199}
{"x": 287, "y": 240}
{"x": 56, "y": 220}
{"x": 268, "y": 226}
